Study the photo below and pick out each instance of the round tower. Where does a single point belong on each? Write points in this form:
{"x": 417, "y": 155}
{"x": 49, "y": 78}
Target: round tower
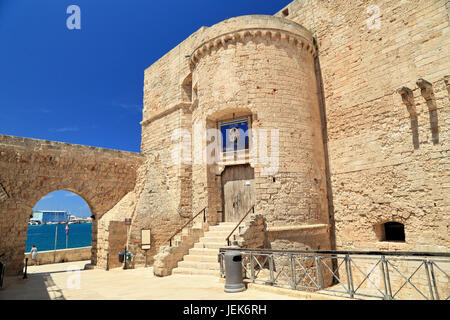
{"x": 258, "y": 73}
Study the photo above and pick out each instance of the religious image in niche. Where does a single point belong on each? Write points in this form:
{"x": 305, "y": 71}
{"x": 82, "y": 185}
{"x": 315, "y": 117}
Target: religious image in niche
{"x": 234, "y": 135}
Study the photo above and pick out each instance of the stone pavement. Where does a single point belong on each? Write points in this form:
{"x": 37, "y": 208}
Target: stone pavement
{"x": 57, "y": 281}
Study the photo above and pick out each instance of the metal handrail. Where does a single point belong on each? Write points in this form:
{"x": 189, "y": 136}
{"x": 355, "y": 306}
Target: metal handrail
{"x": 334, "y": 252}
{"x": 190, "y": 220}
{"x": 242, "y": 219}
{"x": 357, "y": 275}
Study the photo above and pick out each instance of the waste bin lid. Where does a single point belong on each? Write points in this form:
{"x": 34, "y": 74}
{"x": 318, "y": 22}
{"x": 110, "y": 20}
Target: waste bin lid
{"x": 128, "y": 253}
{"x": 121, "y": 253}
{"x": 233, "y": 253}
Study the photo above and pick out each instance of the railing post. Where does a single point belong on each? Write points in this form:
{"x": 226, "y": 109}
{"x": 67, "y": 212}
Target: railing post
{"x": 294, "y": 277}
{"x": 252, "y": 268}
{"x": 271, "y": 267}
{"x": 434, "y": 280}
{"x": 25, "y": 276}
{"x": 349, "y": 275}
{"x": 388, "y": 278}
{"x": 383, "y": 273}
{"x": 425, "y": 262}
{"x": 319, "y": 272}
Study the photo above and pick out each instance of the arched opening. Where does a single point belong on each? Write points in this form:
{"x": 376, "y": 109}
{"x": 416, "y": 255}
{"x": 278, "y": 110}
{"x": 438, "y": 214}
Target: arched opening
{"x": 60, "y": 220}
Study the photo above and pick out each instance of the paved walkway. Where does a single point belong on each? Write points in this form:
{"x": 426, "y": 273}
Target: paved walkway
{"x": 58, "y": 281}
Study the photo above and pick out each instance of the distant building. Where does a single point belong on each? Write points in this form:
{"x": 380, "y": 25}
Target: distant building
{"x": 50, "y": 216}
{"x": 34, "y": 222}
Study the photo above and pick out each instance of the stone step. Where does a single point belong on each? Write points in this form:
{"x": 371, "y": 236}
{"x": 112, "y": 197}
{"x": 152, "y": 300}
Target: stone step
{"x": 222, "y": 234}
{"x": 221, "y": 228}
{"x": 202, "y": 258}
{"x": 196, "y": 271}
{"x": 211, "y": 245}
{"x": 203, "y": 252}
{"x": 227, "y": 223}
{"x": 209, "y": 239}
{"x": 199, "y": 265}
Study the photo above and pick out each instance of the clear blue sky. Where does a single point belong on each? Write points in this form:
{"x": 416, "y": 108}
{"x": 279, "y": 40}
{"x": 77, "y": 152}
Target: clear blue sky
{"x": 85, "y": 86}
{"x": 64, "y": 200}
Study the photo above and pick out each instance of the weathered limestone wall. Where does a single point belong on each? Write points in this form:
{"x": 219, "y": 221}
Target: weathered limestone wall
{"x": 165, "y": 195}
{"x": 30, "y": 169}
{"x": 112, "y": 232}
{"x": 65, "y": 255}
{"x": 386, "y": 164}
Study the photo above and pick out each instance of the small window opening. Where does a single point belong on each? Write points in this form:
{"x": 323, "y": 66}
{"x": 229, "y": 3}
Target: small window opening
{"x": 285, "y": 12}
{"x": 394, "y": 231}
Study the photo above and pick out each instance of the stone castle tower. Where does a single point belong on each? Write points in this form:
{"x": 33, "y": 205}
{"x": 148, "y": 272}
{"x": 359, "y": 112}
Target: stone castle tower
{"x": 330, "y": 120}
{"x": 332, "y": 153}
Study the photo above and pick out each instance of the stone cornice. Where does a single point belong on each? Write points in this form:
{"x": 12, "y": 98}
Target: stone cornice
{"x": 169, "y": 110}
{"x": 305, "y": 227}
{"x": 233, "y": 37}
{"x": 22, "y": 143}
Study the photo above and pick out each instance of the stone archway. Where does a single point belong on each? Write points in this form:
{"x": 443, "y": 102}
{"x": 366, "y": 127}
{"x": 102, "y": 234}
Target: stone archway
{"x": 30, "y": 169}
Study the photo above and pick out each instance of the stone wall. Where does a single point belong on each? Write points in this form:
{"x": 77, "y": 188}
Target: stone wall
{"x": 388, "y": 162}
{"x": 60, "y": 256}
{"x": 30, "y": 169}
{"x": 169, "y": 256}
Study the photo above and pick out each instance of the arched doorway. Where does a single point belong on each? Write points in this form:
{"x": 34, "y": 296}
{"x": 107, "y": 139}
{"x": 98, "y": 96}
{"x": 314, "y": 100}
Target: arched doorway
{"x": 60, "y": 220}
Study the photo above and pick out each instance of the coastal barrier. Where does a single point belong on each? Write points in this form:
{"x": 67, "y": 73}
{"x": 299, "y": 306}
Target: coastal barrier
{"x": 60, "y": 256}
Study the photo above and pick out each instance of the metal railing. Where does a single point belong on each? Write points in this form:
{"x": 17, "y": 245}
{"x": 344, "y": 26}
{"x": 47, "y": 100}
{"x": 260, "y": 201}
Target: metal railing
{"x": 252, "y": 209}
{"x": 188, "y": 222}
{"x": 350, "y": 274}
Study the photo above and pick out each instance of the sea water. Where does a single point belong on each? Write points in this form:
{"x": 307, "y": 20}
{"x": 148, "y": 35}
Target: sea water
{"x": 43, "y": 236}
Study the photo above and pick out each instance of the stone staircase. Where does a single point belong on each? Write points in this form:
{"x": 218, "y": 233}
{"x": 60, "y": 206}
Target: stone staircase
{"x": 203, "y": 257}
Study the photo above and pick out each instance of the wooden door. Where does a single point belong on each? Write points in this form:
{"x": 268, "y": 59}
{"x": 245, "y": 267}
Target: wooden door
{"x": 238, "y": 191}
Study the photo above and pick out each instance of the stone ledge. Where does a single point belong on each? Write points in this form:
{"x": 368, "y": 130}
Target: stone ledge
{"x": 289, "y": 292}
{"x": 62, "y": 255}
{"x": 297, "y": 227}
{"x": 28, "y": 143}
{"x": 165, "y": 112}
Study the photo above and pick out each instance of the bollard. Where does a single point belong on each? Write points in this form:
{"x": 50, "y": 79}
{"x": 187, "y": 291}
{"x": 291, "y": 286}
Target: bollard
{"x": 25, "y": 276}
